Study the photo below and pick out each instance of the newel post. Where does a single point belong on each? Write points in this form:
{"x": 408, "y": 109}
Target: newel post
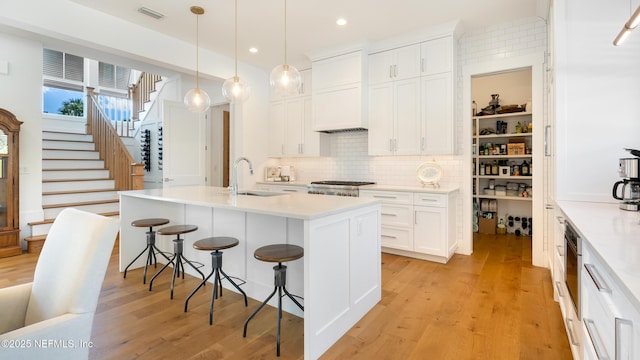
{"x": 137, "y": 176}
{"x": 89, "y": 108}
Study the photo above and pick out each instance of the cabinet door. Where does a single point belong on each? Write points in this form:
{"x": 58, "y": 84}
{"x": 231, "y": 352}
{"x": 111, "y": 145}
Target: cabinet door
{"x": 380, "y": 67}
{"x": 437, "y": 56}
{"x": 429, "y": 235}
{"x": 407, "y": 62}
{"x": 407, "y": 116}
{"x": 276, "y": 129}
{"x": 437, "y": 114}
{"x": 305, "y": 86}
{"x": 293, "y": 126}
{"x": 381, "y": 122}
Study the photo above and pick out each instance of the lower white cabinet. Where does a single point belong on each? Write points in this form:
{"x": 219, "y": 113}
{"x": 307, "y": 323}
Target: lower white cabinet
{"x": 610, "y": 323}
{"x": 417, "y": 224}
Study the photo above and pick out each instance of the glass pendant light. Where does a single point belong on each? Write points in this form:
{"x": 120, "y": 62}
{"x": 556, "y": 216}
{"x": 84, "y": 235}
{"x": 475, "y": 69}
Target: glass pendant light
{"x": 234, "y": 89}
{"x": 197, "y": 100}
{"x": 285, "y": 79}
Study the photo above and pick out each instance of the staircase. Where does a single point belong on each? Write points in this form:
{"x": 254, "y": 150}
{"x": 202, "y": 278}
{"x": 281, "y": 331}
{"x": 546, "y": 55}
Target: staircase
{"x": 72, "y": 176}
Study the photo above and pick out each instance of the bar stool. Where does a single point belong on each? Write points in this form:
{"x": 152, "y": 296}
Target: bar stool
{"x": 151, "y": 248}
{"x": 277, "y": 253}
{"x": 176, "y": 260}
{"x": 215, "y": 244}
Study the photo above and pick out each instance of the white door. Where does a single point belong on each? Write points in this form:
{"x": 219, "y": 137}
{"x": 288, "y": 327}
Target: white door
{"x": 184, "y": 146}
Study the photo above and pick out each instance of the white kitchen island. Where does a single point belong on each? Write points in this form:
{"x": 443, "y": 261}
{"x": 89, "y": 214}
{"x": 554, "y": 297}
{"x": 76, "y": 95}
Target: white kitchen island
{"x": 338, "y": 277}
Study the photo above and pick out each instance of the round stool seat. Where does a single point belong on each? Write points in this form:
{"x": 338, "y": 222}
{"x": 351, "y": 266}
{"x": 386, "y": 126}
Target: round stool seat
{"x": 177, "y": 229}
{"x": 279, "y": 253}
{"x": 216, "y": 243}
{"x": 149, "y": 222}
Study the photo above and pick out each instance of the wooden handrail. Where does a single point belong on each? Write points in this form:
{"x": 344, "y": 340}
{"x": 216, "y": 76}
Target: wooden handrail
{"x": 117, "y": 159}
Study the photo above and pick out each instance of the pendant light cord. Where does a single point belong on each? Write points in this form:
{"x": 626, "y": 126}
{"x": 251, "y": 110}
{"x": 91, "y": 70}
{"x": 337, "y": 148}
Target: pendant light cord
{"x": 236, "y": 38}
{"x": 197, "y": 54}
{"x": 285, "y": 32}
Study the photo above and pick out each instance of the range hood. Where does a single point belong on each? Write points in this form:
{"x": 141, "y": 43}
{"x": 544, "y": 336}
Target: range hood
{"x": 339, "y": 92}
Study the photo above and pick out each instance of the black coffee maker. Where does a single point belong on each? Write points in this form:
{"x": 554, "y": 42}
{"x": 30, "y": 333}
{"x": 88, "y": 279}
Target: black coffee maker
{"x": 627, "y": 190}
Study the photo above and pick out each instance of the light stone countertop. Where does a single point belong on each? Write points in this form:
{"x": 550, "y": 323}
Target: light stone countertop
{"x": 614, "y": 234}
{"x": 422, "y": 189}
{"x": 292, "y": 205}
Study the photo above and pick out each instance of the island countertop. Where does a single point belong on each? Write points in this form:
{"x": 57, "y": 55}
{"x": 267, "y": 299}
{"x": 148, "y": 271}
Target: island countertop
{"x": 292, "y": 205}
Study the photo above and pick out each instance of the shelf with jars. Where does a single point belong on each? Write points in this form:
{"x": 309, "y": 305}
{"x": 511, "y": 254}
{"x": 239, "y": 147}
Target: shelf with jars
{"x": 502, "y": 156}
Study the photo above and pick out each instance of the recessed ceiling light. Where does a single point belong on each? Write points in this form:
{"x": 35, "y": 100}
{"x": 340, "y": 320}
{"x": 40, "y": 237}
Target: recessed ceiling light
{"x": 341, "y": 22}
{"x": 253, "y": 50}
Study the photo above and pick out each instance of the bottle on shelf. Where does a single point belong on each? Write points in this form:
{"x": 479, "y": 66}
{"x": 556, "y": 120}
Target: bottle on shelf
{"x": 481, "y": 169}
{"x": 494, "y": 168}
{"x": 524, "y": 168}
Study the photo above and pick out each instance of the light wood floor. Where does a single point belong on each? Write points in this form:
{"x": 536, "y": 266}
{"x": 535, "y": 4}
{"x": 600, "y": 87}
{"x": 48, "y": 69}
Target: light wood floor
{"x": 491, "y": 305}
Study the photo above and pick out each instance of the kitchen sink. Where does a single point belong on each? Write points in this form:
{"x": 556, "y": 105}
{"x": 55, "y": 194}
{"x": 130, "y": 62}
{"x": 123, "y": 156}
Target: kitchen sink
{"x": 258, "y": 193}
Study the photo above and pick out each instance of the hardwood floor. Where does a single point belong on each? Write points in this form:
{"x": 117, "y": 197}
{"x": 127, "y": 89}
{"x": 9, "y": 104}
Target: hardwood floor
{"x": 491, "y": 305}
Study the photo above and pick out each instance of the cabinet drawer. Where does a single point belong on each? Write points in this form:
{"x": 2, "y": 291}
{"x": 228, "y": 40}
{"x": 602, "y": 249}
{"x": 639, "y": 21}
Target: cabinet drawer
{"x": 397, "y": 215}
{"x": 434, "y": 200}
{"x": 597, "y": 319}
{"x": 397, "y": 238}
{"x": 389, "y": 197}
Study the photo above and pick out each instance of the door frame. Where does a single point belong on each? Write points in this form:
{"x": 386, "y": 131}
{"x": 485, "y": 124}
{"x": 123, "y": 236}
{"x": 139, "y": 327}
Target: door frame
{"x": 535, "y": 62}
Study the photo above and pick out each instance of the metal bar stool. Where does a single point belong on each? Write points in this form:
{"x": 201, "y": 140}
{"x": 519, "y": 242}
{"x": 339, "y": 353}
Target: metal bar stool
{"x": 277, "y": 253}
{"x": 151, "y": 248}
{"x": 176, "y": 260}
{"x": 216, "y": 244}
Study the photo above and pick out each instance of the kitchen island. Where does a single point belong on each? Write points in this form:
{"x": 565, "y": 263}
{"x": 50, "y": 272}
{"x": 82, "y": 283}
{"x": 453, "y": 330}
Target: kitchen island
{"x": 338, "y": 277}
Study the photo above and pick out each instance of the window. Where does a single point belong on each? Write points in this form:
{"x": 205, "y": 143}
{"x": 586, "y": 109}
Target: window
{"x": 63, "y": 83}
{"x": 114, "y": 86}
{"x": 113, "y": 76}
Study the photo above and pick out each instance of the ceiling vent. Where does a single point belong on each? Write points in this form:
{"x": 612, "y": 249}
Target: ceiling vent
{"x": 152, "y": 13}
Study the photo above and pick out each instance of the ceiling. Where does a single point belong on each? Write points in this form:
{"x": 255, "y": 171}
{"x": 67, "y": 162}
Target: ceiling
{"x": 311, "y": 24}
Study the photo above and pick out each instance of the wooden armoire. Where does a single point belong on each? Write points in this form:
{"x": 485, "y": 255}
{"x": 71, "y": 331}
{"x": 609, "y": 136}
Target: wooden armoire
{"x": 9, "y": 185}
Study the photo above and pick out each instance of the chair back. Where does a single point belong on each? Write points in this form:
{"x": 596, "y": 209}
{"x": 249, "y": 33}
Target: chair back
{"x": 72, "y": 265}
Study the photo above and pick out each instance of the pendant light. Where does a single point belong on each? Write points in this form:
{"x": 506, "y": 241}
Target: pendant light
{"x": 197, "y": 100}
{"x": 285, "y": 79}
{"x": 234, "y": 89}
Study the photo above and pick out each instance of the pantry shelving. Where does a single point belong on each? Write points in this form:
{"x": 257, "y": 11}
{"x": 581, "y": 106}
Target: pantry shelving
{"x": 502, "y": 156}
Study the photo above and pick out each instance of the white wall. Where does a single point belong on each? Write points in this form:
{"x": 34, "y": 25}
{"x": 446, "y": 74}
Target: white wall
{"x": 21, "y": 94}
{"x": 597, "y": 112}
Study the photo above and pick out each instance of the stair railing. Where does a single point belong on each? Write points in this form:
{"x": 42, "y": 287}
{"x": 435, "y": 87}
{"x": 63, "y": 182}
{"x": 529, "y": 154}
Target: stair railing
{"x": 126, "y": 174}
{"x": 141, "y": 91}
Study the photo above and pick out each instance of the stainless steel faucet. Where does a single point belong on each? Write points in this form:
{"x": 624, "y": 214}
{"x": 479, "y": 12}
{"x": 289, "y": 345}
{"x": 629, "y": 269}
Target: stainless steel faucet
{"x": 234, "y": 180}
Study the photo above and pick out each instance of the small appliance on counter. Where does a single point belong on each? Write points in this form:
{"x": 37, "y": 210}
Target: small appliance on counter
{"x": 629, "y": 186}
{"x": 279, "y": 173}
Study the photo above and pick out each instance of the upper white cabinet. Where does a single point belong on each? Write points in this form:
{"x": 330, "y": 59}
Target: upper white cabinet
{"x": 397, "y": 64}
{"x": 436, "y": 134}
{"x": 437, "y": 56}
{"x": 290, "y": 132}
{"x": 411, "y": 99}
{"x": 394, "y": 117}
{"x": 338, "y": 92}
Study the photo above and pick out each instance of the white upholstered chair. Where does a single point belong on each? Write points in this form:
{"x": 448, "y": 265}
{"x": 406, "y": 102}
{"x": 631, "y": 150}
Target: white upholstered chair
{"x": 51, "y": 318}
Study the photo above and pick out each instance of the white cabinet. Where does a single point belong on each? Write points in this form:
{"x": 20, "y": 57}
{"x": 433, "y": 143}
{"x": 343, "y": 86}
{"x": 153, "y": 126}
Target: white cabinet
{"x": 394, "y": 117}
{"x": 437, "y": 56}
{"x": 411, "y": 99}
{"x": 396, "y": 64}
{"x": 437, "y": 114}
{"x": 304, "y": 90}
{"x": 290, "y": 131}
{"x": 420, "y": 225}
{"x": 611, "y": 324}
{"x": 339, "y": 92}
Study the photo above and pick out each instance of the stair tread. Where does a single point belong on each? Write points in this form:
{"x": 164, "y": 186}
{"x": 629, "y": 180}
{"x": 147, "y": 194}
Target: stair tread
{"x": 36, "y": 238}
{"x": 75, "y": 169}
{"x": 55, "y": 149}
{"x": 50, "y": 221}
{"x": 73, "y": 141}
{"x": 68, "y": 159}
{"x": 70, "y": 180}
{"x": 62, "y": 132}
{"x": 70, "y": 192}
{"x": 84, "y": 203}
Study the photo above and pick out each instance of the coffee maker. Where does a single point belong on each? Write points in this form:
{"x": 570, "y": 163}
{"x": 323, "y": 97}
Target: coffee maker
{"x": 629, "y": 192}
